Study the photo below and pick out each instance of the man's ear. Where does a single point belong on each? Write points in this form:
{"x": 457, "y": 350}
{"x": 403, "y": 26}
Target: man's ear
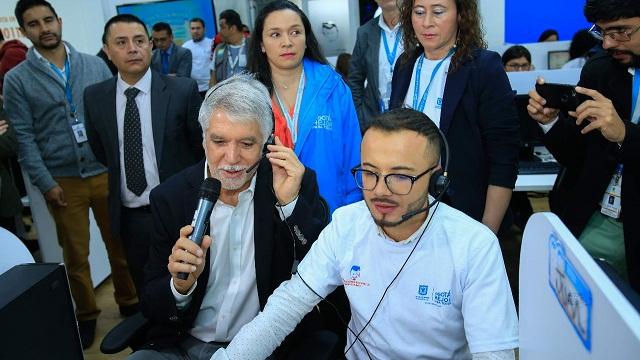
{"x": 105, "y": 48}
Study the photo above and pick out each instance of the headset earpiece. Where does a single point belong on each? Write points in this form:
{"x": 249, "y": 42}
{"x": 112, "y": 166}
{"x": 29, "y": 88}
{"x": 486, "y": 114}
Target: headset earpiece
{"x": 438, "y": 184}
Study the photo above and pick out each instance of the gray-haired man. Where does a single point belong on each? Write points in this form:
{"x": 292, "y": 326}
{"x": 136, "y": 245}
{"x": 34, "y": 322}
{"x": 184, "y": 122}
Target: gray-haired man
{"x": 250, "y": 250}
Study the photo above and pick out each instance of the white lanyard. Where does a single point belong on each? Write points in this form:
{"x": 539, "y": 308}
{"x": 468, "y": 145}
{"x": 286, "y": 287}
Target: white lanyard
{"x": 232, "y": 62}
{"x": 292, "y": 122}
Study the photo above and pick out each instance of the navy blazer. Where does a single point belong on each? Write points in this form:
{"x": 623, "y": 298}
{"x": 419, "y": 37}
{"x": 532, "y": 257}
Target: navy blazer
{"x": 180, "y": 61}
{"x": 590, "y": 160}
{"x": 480, "y": 122}
{"x": 172, "y": 206}
{"x": 177, "y": 136}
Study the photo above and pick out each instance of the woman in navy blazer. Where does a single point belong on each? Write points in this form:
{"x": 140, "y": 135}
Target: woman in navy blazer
{"x": 468, "y": 95}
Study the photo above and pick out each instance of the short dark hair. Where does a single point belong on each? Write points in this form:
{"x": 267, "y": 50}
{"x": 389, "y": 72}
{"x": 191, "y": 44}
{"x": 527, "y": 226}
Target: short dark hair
{"x": 407, "y": 119}
{"x": 23, "y": 5}
{"x": 1, "y": 36}
{"x": 257, "y": 61}
{"x": 515, "y": 52}
{"x": 197, "y": 19}
{"x": 162, "y": 26}
{"x": 124, "y": 18}
{"x": 581, "y": 43}
{"x": 611, "y": 10}
{"x": 231, "y": 18}
{"x": 547, "y": 33}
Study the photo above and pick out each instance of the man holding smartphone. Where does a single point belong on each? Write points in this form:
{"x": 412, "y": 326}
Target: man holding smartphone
{"x": 599, "y": 142}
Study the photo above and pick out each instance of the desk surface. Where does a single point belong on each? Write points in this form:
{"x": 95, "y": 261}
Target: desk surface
{"x": 538, "y": 182}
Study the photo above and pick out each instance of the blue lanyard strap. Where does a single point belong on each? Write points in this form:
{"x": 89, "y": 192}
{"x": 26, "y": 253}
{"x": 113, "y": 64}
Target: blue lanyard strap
{"x": 634, "y": 94}
{"x": 416, "y": 90}
{"x": 391, "y": 55}
{"x": 67, "y": 85}
{"x": 292, "y": 122}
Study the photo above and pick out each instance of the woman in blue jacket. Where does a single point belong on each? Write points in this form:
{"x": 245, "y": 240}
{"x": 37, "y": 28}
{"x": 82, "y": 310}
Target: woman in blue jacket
{"x": 313, "y": 107}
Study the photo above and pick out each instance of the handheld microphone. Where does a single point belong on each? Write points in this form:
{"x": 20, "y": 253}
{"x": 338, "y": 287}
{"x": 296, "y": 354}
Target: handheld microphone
{"x": 209, "y": 193}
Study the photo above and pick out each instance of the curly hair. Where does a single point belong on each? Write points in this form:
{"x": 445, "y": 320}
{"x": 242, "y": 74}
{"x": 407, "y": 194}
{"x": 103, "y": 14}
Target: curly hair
{"x": 470, "y": 34}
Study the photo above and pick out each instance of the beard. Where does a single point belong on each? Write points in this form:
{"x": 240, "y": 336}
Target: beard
{"x": 232, "y": 183}
{"x": 384, "y": 222}
{"x": 50, "y": 46}
{"x": 635, "y": 58}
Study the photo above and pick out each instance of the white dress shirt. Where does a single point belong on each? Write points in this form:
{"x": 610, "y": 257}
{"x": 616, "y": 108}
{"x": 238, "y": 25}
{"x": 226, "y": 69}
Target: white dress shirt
{"x": 201, "y": 58}
{"x": 231, "y": 299}
{"x": 143, "y": 100}
{"x": 385, "y": 71}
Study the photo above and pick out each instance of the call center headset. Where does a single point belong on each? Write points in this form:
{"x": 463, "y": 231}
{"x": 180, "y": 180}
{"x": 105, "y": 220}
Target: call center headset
{"x": 439, "y": 182}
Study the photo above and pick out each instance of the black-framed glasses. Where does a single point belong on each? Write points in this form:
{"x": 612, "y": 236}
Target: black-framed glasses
{"x": 399, "y": 184}
{"x": 620, "y": 35}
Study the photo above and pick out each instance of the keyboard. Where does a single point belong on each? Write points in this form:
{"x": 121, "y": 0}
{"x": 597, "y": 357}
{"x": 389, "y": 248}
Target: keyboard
{"x": 538, "y": 167}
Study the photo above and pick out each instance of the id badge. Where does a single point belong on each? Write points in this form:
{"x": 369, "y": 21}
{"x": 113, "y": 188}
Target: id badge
{"x": 79, "y": 132}
{"x": 611, "y": 201}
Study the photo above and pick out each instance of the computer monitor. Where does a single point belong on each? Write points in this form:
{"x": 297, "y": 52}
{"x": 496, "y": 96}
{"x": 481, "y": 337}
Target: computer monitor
{"x": 556, "y": 59}
{"x": 36, "y": 313}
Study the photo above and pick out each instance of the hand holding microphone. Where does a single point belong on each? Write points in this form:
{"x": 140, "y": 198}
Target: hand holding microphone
{"x": 188, "y": 254}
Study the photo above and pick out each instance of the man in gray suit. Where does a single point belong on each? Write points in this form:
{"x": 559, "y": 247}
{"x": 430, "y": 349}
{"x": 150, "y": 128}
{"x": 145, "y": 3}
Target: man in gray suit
{"x": 168, "y": 57}
{"x": 378, "y": 46}
{"x": 144, "y": 127}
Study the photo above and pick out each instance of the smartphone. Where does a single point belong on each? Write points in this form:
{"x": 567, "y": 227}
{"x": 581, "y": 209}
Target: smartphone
{"x": 560, "y": 96}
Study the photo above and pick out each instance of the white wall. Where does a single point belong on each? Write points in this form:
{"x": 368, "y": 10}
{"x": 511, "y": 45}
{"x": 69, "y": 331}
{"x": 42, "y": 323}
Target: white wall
{"x": 492, "y": 12}
{"x": 82, "y": 22}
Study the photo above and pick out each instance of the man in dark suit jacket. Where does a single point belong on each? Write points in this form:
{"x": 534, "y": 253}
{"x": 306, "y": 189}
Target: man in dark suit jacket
{"x": 262, "y": 224}
{"x": 163, "y": 113}
{"x": 605, "y": 148}
{"x": 378, "y": 46}
{"x": 168, "y": 57}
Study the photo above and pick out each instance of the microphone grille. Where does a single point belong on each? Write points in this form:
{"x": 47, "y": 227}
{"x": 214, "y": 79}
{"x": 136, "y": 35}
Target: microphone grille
{"x": 210, "y": 189}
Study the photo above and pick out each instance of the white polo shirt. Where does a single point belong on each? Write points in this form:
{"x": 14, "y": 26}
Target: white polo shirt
{"x": 451, "y": 299}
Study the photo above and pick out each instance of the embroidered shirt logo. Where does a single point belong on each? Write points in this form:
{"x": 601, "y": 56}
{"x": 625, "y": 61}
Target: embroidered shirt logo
{"x": 323, "y": 122}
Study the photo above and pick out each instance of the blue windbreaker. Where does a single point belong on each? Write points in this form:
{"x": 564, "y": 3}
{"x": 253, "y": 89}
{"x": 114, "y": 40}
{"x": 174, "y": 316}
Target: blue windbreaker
{"x": 329, "y": 134}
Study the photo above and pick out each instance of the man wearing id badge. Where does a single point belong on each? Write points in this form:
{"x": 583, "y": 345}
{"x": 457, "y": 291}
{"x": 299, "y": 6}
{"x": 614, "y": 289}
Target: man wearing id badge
{"x": 378, "y": 46}
{"x": 599, "y": 142}
{"x": 43, "y": 99}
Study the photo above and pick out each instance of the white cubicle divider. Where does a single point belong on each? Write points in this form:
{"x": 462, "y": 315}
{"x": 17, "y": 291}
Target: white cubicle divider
{"x": 569, "y": 309}
{"x": 48, "y": 239}
{"x": 523, "y": 81}
{"x": 539, "y": 51}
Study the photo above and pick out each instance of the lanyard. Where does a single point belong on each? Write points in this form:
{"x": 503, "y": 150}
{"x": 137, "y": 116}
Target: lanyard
{"x": 416, "y": 90}
{"x": 292, "y": 122}
{"x": 232, "y": 63}
{"x": 66, "y": 78}
{"x": 634, "y": 94}
{"x": 391, "y": 55}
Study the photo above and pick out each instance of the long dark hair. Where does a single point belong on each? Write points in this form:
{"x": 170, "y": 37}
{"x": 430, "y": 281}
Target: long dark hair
{"x": 258, "y": 63}
{"x": 470, "y": 36}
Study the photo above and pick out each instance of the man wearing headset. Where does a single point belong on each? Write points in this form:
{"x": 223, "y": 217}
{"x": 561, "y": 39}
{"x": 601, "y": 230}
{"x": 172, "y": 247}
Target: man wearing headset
{"x": 250, "y": 250}
{"x": 423, "y": 279}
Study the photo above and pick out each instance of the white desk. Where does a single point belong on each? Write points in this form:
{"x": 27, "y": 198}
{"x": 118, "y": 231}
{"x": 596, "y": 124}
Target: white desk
{"x": 538, "y": 182}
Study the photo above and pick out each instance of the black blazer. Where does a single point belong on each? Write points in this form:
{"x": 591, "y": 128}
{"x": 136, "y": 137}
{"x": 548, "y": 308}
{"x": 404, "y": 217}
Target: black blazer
{"x": 172, "y": 206}
{"x": 364, "y": 66}
{"x": 590, "y": 160}
{"x": 177, "y": 136}
{"x": 480, "y": 122}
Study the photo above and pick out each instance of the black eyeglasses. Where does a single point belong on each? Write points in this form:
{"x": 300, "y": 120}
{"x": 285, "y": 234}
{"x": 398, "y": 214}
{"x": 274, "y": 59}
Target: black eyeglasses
{"x": 399, "y": 184}
{"x": 620, "y": 35}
